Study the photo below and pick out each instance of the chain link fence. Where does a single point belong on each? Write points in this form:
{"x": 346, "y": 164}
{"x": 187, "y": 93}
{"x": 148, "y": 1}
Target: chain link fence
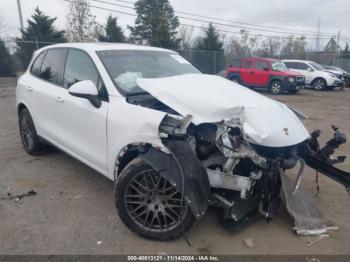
{"x": 209, "y": 62}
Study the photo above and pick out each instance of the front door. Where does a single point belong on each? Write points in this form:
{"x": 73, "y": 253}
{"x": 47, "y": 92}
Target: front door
{"x": 261, "y": 74}
{"x": 81, "y": 126}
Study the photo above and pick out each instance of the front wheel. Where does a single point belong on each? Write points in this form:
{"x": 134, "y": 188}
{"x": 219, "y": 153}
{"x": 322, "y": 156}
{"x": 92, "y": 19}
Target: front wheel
{"x": 276, "y": 87}
{"x": 149, "y": 204}
{"x": 319, "y": 84}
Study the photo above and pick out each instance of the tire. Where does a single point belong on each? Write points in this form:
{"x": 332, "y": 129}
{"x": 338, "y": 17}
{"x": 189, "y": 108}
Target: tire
{"x": 276, "y": 87}
{"x": 149, "y": 205}
{"x": 319, "y": 84}
{"x": 235, "y": 79}
{"x": 30, "y": 139}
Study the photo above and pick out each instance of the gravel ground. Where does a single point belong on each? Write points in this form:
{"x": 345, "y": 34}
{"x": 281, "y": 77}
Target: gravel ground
{"x": 73, "y": 211}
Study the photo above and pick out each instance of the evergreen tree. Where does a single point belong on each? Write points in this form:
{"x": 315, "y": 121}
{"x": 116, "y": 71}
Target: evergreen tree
{"x": 40, "y": 32}
{"x": 113, "y": 32}
{"x": 156, "y": 24}
{"x": 210, "y": 62}
{"x": 6, "y": 63}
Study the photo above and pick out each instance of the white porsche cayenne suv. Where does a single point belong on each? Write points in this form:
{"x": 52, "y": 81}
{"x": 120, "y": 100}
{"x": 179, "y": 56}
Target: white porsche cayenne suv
{"x": 173, "y": 140}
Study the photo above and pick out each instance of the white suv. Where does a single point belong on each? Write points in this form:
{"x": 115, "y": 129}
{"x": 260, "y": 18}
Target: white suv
{"x": 172, "y": 139}
{"x": 315, "y": 76}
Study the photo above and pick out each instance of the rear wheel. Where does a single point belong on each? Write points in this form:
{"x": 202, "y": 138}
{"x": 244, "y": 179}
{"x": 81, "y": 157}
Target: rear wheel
{"x": 276, "y": 87}
{"x": 235, "y": 79}
{"x": 319, "y": 84}
{"x": 149, "y": 204}
{"x": 30, "y": 139}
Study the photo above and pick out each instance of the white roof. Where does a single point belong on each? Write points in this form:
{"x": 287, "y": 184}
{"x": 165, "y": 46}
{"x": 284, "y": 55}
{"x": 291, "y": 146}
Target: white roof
{"x": 101, "y": 46}
{"x": 296, "y": 60}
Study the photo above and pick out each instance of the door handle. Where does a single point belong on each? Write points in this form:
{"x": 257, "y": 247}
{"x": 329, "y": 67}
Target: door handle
{"x": 252, "y": 72}
{"x": 28, "y": 88}
{"x": 59, "y": 99}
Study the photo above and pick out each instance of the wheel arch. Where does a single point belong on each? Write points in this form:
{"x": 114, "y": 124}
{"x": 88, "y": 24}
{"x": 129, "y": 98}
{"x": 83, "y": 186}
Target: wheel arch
{"x": 131, "y": 151}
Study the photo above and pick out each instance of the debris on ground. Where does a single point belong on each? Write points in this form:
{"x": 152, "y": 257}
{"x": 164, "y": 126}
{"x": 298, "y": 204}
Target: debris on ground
{"x": 19, "y": 197}
{"x": 248, "y": 242}
{"x": 99, "y": 242}
{"x": 311, "y": 243}
{"x": 79, "y": 196}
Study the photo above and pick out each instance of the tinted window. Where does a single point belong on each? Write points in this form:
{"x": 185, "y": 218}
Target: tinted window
{"x": 51, "y": 69}
{"x": 79, "y": 67}
{"x": 259, "y": 65}
{"x": 236, "y": 63}
{"x": 246, "y": 63}
{"x": 290, "y": 65}
{"x": 37, "y": 64}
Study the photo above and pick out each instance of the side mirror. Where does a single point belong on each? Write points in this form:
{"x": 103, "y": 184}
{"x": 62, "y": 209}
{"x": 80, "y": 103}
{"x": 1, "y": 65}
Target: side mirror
{"x": 86, "y": 89}
{"x": 309, "y": 69}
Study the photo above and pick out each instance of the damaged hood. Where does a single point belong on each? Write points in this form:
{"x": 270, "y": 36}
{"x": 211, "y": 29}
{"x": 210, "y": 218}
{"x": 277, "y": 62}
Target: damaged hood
{"x": 211, "y": 99}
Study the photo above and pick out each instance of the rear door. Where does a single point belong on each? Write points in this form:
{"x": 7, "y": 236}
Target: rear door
{"x": 44, "y": 86}
{"x": 261, "y": 74}
{"x": 81, "y": 126}
{"x": 245, "y": 71}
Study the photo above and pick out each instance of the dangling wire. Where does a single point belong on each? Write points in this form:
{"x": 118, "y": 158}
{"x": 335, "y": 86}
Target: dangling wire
{"x": 317, "y": 185}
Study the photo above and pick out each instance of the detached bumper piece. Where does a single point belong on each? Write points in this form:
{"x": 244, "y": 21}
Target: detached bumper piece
{"x": 304, "y": 209}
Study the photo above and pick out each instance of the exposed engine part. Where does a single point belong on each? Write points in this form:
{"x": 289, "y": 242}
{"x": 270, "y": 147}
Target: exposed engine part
{"x": 219, "y": 179}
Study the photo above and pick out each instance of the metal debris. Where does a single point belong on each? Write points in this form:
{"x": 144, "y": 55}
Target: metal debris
{"x": 311, "y": 243}
{"x": 19, "y": 197}
{"x": 248, "y": 242}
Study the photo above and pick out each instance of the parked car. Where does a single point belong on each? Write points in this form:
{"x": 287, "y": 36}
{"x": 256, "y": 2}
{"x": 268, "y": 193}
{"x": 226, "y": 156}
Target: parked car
{"x": 315, "y": 75}
{"x": 172, "y": 139}
{"x": 265, "y": 73}
{"x": 341, "y": 73}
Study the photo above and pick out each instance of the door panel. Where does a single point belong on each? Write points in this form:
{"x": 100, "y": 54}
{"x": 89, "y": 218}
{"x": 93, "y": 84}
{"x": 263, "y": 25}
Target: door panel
{"x": 47, "y": 73}
{"x": 260, "y": 77}
{"x": 245, "y": 71}
{"x": 80, "y": 125}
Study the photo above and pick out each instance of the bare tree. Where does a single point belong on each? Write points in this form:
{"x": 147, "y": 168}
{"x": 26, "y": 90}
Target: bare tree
{"x": 248, "y": 43}
{"x": 271, "y": 47}
{"x": 3, "y": 25}
{"x": 186, "y": 36}
{"x": 81, "y": 23}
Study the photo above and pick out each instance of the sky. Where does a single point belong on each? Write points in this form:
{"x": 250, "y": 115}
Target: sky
{"x": 285, "y": 14}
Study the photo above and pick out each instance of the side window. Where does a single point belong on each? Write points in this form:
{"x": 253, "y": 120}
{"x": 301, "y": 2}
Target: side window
{"x": 35, "y": 70}
{"x": 246, "y": 63}
{"x": 302, "y": 66}
{"x": 51, "y": 68}
{"x": 79, "y": 67}
{"x": 290, "y": 65}
{"x": 260, "y": 65}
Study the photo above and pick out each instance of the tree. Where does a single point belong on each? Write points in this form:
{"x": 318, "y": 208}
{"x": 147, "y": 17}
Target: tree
{"x": 185, "y": 35}
{"x": 40, "y": 32}
{"x": 155, "y": 24}
{"x": 210, "y": 62}
{"x": 6, "y": 63}
{"x": 270, "y": 47}
{"x": 81, "y": 23}
{"x": 113, "y": 32}
{"x": 331, "y": 46}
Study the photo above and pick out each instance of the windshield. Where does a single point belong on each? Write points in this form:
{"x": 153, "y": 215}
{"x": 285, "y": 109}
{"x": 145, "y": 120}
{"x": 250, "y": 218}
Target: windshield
{"x": 279, "y": 66}
{"x": 316, "y": 66}
{"x": 126, "y": 66}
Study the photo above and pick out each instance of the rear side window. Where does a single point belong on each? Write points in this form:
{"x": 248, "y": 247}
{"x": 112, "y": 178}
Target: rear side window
{"x": 236, "y": 63}
{"x": 246, "y": 63}
{"x": 79, "y": 67}
{"x": 260, "y": 65}
{"x": 36, "y": 67}
{"x": 296, "y": 65}
{"x": 51, "y": 69}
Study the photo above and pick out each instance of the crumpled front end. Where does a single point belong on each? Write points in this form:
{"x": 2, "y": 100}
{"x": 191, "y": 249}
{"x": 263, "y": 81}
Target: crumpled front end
{"x": 238, "y": 146}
